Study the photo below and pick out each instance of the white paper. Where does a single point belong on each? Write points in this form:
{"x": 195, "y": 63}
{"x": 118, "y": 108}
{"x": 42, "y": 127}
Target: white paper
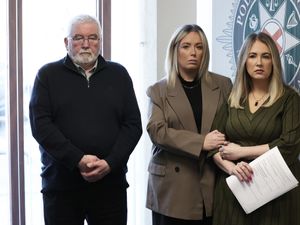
{"x": 271, "y": 178}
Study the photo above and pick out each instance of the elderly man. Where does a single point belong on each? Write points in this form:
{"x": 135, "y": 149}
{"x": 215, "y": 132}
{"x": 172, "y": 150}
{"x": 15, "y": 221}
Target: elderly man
{"x": 85, "y": 117}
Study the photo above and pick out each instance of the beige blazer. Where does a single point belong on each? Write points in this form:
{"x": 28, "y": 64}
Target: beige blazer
{"x": 181, "y": 179}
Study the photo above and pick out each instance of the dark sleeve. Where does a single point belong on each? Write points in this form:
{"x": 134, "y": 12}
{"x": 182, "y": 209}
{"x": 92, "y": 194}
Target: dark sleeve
{"x": 44, "y": 130}
{"x": 130, "y": 130}
{"x": 226, "y": 88}
{"x": 219, "y": 123}
{"x": 289, "y": 141}
{"x": 221, "y": 116}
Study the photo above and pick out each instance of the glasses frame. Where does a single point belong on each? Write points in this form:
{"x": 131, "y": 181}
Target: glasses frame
{"x": 80, "y": 39}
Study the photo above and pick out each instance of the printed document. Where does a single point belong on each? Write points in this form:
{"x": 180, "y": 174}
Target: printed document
{"x": 271, "y": 178}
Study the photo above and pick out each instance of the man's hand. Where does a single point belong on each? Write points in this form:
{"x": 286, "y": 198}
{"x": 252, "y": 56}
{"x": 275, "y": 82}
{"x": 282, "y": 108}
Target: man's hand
{"x": 96, "y": 170}
{"x": 82, "y": 165}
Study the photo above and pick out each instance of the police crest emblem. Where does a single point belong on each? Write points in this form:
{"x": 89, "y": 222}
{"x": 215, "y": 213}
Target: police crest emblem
{"x": 278, "y": 18}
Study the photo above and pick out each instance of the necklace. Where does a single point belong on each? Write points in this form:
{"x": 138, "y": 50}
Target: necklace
{"x": 258, "y": 100}
{"x": 191, "y": 87}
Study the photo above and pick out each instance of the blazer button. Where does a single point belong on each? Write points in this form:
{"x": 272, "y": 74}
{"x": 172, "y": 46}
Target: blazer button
{"x": 177, "y": 169}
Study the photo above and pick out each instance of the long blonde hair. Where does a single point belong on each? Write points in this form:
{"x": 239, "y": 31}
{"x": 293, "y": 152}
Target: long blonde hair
{"x": 171, "y": 62}
{"x": 243, "y": 84}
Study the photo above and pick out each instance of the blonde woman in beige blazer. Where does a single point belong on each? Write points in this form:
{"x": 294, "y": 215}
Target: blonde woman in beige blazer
{"x": 182, "y": 109}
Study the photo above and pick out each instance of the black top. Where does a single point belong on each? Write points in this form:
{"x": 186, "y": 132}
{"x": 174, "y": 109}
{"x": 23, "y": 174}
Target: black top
{"x": 71, "y": 116}
{"x": 193, "y": 92}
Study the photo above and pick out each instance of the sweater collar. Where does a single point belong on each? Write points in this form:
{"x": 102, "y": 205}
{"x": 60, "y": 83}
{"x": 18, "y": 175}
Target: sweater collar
{"x": 101, "y": 63}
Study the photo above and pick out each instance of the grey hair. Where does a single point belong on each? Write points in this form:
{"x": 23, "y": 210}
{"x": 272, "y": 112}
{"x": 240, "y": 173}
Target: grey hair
{"x": 171, "y": 61}
{"x": 84, "y": 19}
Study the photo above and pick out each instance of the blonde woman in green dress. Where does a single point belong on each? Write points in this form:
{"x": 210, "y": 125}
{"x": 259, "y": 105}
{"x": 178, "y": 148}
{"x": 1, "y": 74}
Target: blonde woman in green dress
{"x": 262, "y": 112}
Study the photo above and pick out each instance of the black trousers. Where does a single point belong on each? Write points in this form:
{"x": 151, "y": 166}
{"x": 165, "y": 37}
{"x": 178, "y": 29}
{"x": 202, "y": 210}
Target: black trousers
{"x": 159, "y": 219}
{"x": 97, "y": 205}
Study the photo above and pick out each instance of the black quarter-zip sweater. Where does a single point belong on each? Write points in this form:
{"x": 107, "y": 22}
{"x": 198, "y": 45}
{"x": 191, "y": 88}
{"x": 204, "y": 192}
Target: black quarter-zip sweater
{"x": 71, "y": 116}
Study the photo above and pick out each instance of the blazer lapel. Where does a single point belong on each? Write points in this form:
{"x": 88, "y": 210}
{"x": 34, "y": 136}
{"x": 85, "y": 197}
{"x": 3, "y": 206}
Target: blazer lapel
{"x": 181, "y": 106}
{"x": 210, "y": 101}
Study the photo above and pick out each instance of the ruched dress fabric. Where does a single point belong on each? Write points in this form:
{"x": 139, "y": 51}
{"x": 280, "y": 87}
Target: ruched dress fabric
{"x": 278, "y": 125}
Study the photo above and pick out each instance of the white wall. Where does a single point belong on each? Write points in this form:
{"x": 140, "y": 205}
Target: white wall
{"x": 170, "y": 15}
{"x": 204, "y": 20}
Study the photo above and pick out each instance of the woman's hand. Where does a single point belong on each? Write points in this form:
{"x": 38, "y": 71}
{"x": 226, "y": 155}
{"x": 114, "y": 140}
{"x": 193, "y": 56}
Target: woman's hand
{"x": 231, "y": 151}
{"x": 213, "y": 140}
{"x": 243, "y": 171}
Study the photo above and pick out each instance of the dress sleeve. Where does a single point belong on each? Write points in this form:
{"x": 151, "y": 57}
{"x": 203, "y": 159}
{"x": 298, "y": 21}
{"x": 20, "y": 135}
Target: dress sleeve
{"x": 289, "y": 141}
{"x": 219, "y": 123}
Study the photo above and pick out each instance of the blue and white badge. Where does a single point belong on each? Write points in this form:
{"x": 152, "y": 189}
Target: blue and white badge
{"x": 278, "y": 18}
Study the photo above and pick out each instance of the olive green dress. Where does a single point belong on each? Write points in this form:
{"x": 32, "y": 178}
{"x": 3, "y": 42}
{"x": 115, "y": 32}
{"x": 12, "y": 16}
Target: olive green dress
{"x": 278, "y": 125}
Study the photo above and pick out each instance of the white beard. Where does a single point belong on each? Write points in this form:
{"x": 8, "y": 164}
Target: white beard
{"x": 84, "y": 57}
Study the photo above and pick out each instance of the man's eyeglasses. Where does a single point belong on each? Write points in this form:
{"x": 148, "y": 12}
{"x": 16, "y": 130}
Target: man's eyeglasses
{"x": 79, "y": 39}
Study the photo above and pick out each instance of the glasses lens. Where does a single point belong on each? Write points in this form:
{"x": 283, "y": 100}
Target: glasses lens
{"x": 80, "y": 39}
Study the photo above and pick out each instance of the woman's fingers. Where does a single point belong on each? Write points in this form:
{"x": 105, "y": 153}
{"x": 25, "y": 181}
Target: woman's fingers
{"x": 243, "y": 171}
